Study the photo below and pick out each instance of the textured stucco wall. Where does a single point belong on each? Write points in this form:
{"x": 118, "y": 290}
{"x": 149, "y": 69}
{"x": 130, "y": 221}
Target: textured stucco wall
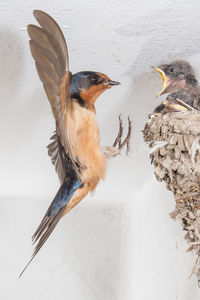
{"x": 120, "y": 243}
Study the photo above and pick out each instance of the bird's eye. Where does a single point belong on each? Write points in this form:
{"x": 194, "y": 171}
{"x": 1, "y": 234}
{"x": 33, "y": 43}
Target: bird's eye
{"x": 94, "y": 79}
{"x": 171, "y": 70}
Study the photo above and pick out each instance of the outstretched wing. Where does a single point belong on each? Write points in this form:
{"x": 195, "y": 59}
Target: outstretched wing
{"x": 49, "y": 50}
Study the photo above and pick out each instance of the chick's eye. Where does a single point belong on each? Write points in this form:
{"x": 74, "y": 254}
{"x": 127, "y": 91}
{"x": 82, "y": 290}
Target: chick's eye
{"x": 94, "y": 79}
{"x": 171, "y": 70}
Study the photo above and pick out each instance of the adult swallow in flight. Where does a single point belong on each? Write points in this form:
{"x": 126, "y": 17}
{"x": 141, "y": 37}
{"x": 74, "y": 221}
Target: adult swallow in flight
{"x": 75, "y": 148}
{"x": 179, "y": 82}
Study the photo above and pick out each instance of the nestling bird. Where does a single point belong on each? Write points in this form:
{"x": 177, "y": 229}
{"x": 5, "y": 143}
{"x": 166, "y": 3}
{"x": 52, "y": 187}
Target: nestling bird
{"x": 75, "y": 148}
{"x": 179, "y": 81}
{"x": 172, "y": 133}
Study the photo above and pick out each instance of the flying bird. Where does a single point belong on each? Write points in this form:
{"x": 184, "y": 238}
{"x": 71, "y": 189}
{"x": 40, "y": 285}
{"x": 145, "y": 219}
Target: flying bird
{"x": 75, "y": 148}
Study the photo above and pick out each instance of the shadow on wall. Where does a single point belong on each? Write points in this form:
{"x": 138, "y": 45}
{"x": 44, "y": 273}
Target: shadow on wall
{"x": 94, "y": 237}
{"x": 11, "y": 61}
{"x": 168, "y": 34}
{"x": 82, "y": 255}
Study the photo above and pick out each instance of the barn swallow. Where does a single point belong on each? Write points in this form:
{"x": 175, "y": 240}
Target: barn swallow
{"x": 75, "y": 148}
{"x": 179, "y": 81}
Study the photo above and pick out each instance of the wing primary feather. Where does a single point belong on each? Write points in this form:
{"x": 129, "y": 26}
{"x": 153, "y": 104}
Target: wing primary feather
{"x": 58, "y": 40}
{"x": 38, "y": 35}
{"x": 44, "y": 60}
{"x": 49, "y": 50}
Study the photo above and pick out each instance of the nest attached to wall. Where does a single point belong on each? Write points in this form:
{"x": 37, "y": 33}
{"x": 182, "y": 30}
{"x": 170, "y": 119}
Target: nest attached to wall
{"x": 174, "y": 141}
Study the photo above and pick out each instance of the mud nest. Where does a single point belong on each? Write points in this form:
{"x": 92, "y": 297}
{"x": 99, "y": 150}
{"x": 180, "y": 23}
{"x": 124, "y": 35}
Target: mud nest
{"x": 174, "y": 141}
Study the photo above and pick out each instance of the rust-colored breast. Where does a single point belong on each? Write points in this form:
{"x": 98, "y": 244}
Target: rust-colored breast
{"x": 85, "y": 141}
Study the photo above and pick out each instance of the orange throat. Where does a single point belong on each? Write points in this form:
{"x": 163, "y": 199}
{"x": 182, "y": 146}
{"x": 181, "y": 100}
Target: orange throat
{"x": 91, "y": 95}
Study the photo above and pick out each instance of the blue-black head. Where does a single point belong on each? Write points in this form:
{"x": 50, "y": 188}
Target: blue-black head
{"x": 87, "y": 86}
{"x": 176, "y": 76}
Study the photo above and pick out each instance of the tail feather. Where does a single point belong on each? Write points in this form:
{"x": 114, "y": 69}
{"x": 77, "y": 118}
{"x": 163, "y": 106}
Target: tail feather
{"x": 40, "y": 229}
{"x": 49, "y": 226}
{"x": 53, "y": 215}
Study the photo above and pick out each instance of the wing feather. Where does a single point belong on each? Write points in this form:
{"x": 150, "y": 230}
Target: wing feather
{"x": 55, "y": 37}
{"x": 55, "y": 151}
{"x": 49, "y": 50}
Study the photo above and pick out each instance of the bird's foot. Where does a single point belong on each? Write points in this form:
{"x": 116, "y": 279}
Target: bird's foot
{"x": 118, "y": 144}
{"x": 110, "y": 151}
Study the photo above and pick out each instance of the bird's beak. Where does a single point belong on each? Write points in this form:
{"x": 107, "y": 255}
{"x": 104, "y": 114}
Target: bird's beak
{"x": 111, "y": 83}
{"x": 166, "y": 81}
{"x": 175, "y": 107}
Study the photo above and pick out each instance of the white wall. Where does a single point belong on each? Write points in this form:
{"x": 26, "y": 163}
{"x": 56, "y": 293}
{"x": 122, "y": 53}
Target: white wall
{"x": 120, "y": 243}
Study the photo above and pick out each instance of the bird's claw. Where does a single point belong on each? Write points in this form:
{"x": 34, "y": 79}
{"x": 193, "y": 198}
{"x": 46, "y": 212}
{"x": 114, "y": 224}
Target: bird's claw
{"x": 118, "y": 141}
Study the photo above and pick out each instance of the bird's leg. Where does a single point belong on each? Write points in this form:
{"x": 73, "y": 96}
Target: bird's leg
{"x": 127, "y": 139}
{"x": 120, "y": 133}
{"x": 118, "y": 144}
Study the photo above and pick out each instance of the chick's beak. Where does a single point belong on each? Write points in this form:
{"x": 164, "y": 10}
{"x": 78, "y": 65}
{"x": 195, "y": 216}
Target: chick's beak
{"x": 175, "y": 107}
{"x": 165, "y": 79}
{"x": 111, "y": 83}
